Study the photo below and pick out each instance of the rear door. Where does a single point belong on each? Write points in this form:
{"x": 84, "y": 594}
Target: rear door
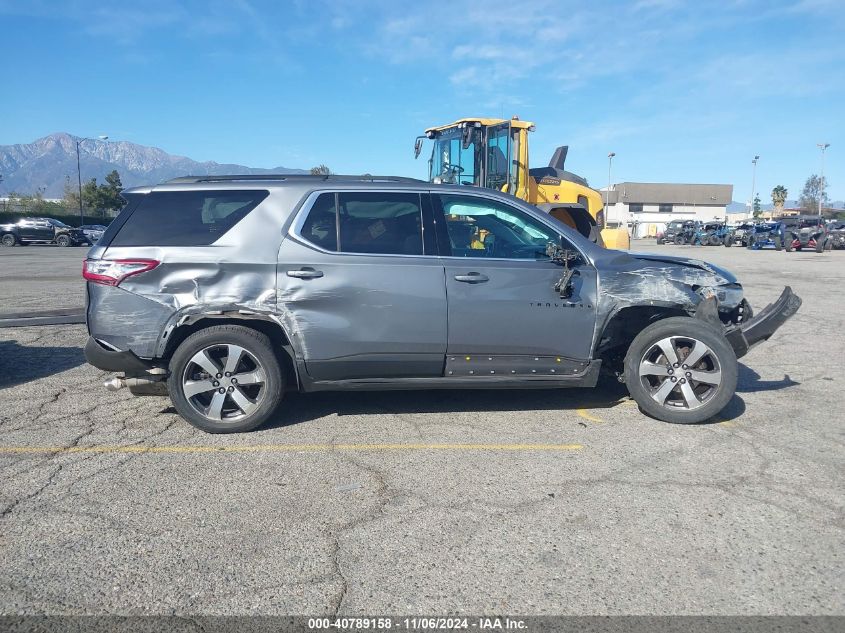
{"x": 501, "y": 286}
{"x": 362, "y": 288}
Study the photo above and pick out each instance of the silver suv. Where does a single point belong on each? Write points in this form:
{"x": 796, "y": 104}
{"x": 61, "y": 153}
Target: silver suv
{"x": 227, "y": 291}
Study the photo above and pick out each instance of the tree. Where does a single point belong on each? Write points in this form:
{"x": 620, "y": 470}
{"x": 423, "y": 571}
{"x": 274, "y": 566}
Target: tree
{"x": 321, "y": 170}
{"x": 812, "y": 194}
{"x": 109, "y": 191}
{"x": 91, "y": 195}
{"x": 70, "y": 199}
{"x": 757, "y": 209}
{"x": 99, "y": 198}
{"x": 779, "y": 194}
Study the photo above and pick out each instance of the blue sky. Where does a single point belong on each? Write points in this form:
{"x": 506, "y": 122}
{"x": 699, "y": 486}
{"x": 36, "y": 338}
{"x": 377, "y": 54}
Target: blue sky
{"x": 681, "y": 91}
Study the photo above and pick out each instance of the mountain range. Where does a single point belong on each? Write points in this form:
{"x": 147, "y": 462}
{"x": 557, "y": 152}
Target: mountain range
{"x": 47, "y": 163}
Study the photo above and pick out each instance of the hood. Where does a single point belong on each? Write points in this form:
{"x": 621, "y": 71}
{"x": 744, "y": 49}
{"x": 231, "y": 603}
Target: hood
{"x": 685, "y": 262}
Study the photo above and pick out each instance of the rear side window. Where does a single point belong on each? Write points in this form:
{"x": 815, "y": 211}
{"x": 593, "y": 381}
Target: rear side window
{"x": 185, "y": 218}
{"x": 366, "y": 222}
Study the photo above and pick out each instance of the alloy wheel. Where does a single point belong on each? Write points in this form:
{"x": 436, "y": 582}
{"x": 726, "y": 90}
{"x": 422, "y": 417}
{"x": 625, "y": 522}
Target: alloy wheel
{"x": 680, "y": 372}
{"x": 224, "y": 382}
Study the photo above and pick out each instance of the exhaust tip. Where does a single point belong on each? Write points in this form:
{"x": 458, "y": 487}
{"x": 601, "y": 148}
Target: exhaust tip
{"x": 115, "y": 384}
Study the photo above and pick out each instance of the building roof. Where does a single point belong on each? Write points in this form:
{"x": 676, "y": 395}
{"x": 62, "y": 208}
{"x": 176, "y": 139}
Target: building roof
{"x": 671, "y": 193}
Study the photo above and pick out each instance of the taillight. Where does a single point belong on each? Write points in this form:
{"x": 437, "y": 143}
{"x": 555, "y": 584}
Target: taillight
{"x": 110, "y": 272}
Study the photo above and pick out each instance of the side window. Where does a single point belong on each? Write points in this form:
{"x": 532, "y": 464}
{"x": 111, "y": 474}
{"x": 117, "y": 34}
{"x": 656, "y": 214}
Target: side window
{"x": 485, "y": 228}
{"x": 380, "y": 222}
{"x": 320, "y": 227}
{"x": 185, "y": 218}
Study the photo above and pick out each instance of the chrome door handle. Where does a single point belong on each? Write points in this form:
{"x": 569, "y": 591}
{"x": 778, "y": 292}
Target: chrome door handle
{"x": 472, "y": 278}
{"x": 305, "y": 273}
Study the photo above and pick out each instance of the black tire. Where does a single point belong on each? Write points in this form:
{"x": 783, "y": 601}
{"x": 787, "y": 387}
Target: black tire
{"x": 750, "y": 242}
{"x": 661, "y": 241}
{"x": 713, "y": 240}
{"x": 787, "y": 244}
{"x": 8, "y": 239}
{"x": 778, "y": 243}
{"x": 720, "y": 355}
{"x": 680, "y": 240}
{"x": 258, "y": 348}
{"x": 729, "y": 241}
{"x": 820, "y": 244}
{"x": 63, "y": 241}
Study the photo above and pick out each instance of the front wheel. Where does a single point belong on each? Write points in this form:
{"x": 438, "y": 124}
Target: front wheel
{"x": 225, "y": 379}
{"x": 680, "y": 240}
{"x": 729, "y": 240}
{"x": 63, "y": 240}
{"x": 681, "y": 370}
{"x": 777, "y": 242}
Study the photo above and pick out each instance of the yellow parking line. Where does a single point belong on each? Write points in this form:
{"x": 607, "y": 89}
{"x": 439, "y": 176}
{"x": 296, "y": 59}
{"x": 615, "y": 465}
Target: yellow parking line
{"x": 286, "y": 448}
{"x": 583, "y": 413}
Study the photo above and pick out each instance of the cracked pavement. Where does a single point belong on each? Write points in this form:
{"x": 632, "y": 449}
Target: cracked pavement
{"x": 740, "y": 516}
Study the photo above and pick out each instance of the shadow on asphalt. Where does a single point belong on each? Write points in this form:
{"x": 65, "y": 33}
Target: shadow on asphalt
{"x": 297, "y": 408}
{"x": 20, "y": 364}
{"x": 748, "y": 381}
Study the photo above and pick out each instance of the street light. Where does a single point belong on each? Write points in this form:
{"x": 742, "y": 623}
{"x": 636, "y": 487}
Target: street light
{"x": 753, "y": 182}
{"x": 607, "y": 195}
{"x": 79, "y": 173}
{"x": 822, "y": 147}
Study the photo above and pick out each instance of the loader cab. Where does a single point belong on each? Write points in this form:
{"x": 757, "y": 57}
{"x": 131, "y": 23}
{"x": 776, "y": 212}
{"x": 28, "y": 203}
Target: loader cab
{"x": 483, "y": 153}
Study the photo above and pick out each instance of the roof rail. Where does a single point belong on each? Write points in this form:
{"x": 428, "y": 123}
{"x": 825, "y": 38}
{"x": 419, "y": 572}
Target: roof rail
{"x": 283, "y": 177}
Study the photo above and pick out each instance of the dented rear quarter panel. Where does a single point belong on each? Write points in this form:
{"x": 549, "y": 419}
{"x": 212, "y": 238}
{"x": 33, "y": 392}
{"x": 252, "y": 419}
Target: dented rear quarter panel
{"x": 235, "y": 274}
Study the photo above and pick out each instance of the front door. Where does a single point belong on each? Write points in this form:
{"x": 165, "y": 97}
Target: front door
{"x": 501, "y": 285}
{"x": 361, "y": 287}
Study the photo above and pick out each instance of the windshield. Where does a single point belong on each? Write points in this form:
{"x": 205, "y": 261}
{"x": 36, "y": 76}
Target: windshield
{"x": 58, "y": 224}
{"x": 450, "y": 162}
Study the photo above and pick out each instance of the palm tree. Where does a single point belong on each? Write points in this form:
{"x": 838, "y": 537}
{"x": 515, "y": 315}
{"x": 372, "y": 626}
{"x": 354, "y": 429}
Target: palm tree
{"x": 779, "y": 194}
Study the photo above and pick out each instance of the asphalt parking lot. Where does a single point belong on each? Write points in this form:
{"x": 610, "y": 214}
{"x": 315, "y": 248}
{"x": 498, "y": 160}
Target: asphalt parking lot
{"x": 560, "y": 502}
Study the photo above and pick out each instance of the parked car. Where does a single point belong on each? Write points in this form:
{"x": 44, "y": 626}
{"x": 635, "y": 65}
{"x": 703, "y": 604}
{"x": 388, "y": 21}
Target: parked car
{"x": 766, "y": 235}
{"x": 93, "y": 231}
{"x": 806, "y": 232}
{"x": 739, "y": 234}
{"x": 683, "y": 228}
{"x": 41, "y": 230}
{"x": 227, "y": 291}
{"x": 836, "y": 233}
{"x": 709, "y": 234}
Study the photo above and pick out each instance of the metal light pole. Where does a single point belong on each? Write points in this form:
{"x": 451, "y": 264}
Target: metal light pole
{"x": 822, "y": 147}
{"x": 753, "y": 182}
{"x": 79, "y": 174}
{"x": 607, "y": 195}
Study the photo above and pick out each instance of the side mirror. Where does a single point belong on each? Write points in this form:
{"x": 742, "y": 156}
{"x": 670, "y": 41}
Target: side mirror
{"x": 560, "y": 255}
{"x": 418, "y": 146}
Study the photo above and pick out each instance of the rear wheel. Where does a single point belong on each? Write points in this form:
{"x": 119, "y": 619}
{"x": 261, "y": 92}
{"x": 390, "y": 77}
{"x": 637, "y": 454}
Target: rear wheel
{"x": 729, "y": 240}
{"x": 8, "y": 239}
{"x": 787, "y": 244}
{"x": 778, "y": 243}
{"x": 750, "y": 243}
{"x": 820, "y": 244}
{"x": 681, "y": 370}
{"x": 225, "y": 379}
{"x": 713, "y": 240}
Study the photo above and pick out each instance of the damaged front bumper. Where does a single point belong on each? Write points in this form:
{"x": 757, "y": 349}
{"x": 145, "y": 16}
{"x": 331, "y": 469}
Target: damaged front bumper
{"x": 760, "y": 328}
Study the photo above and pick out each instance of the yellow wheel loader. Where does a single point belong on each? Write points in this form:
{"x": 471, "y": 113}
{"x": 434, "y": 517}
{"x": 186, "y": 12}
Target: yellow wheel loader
{"x": 493, "y": 153}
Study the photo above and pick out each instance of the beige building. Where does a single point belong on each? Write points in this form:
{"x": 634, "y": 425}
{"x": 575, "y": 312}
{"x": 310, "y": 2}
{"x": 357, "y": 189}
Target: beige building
{"x": 652, "y": 205}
